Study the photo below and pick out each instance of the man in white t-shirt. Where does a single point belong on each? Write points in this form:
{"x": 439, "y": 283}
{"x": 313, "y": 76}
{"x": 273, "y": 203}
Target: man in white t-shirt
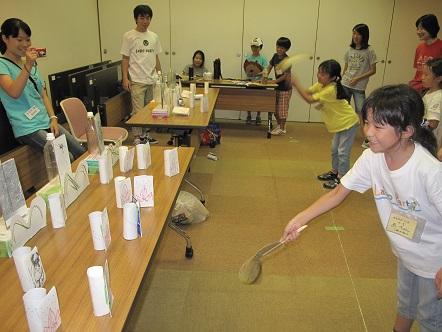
{"x": 140, "y": 49}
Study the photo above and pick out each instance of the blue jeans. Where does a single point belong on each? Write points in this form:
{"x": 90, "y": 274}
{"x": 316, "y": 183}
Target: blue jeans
{"x": 37, "y": 140}
{"x": 358, "y": 97}
{"x": 417, "y": 300}
{"x": 341, "y": 148}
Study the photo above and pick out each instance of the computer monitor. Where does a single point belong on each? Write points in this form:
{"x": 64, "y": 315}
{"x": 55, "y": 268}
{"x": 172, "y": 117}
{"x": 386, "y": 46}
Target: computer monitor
{"x": 8, "y": 142}
{"x": 102, "y": 85}
{"x": 78, "y": 85}
{"x": 59, "y": 84}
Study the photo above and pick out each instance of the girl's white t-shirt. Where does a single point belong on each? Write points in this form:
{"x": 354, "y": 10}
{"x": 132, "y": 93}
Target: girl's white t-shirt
{"x": 416, "y": 189}
{"x": 433, "y": 111}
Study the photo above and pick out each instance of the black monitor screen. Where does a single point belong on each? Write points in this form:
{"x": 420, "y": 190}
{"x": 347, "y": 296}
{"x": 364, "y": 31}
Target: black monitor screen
{"x": 102, "y": 85}
{"x": 59, "y": 84}
{"x": 8, "y": 142}
{"x": 78, "y": 84}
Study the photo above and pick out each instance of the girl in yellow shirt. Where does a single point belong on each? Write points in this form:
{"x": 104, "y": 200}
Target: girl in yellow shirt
{"x": 337, "y": 114}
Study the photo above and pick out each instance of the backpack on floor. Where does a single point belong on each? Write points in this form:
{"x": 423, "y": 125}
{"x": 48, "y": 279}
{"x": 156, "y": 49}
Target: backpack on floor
{"x": 211, "y": 135}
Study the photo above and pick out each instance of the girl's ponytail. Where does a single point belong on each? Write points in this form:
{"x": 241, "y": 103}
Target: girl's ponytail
{"x": 2, "y": 43}
{"x": 340, "y": 92}
{"x": 426, "y": 138}
{"x": 333, "y": 69}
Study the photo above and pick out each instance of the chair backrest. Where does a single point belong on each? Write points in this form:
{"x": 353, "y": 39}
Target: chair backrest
{"x": 76, "y": 114}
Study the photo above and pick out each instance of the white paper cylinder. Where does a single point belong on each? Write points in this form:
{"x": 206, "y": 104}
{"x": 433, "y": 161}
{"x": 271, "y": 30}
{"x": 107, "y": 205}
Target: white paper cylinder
{"x": 110, "y": 165}
{"x": 141, "y": 156}
{"x": 206, "y": 87}
{"x": 191, "y": 100}
{"x": 57, "y": 209}
{"x": 103, "y": 168}
{"x": 193, "y": 88}
{"x": 97, "y": 235}
{"x": 32, "y": 300}
{"x": 203, "y": 104}
{"x": 97, "y": 289}
{"x": 122, "y": 151}
{"x": 174, "y": 98}
{"x": 117, "y": 191}
{"x": 130, "y": 218}
{"x": 21, "y": 257}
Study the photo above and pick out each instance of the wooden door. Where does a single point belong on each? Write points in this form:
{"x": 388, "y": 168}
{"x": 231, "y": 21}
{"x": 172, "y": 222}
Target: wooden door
{"x": 295, "y": 20}
{"x": 336, "y": 20}
{"x": 116, "y": 17}
{"x": 215, "y": 27}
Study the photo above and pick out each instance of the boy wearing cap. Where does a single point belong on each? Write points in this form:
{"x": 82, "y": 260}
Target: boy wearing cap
{"x": 254, "y": 64}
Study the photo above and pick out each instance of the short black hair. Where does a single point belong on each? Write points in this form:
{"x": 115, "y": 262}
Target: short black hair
{"x": 142, "y": 10}
{"x": 429, "y": 23}
{"x": 400, "y": 106}
{"x": 11, "y": 28}
{"x": 284, "y": 42}
{"x": 435, "y": 66}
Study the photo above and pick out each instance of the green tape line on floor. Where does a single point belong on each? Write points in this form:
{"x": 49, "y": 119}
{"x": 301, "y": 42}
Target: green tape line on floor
{"x": 334, "y": 228}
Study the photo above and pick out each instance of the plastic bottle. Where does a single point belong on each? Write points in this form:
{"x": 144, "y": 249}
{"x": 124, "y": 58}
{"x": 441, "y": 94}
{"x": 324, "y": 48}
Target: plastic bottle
{"x": 91, "y": 135}
{"x": 49, "y": 156}
{"x": 157, "y": 89}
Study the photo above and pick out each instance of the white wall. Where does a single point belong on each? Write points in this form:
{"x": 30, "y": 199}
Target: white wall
{"x": 68, "y": 29}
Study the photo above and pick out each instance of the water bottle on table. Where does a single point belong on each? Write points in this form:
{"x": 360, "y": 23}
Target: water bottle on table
{"x": 49, "y": 156}
{"x": 91, "y": 135}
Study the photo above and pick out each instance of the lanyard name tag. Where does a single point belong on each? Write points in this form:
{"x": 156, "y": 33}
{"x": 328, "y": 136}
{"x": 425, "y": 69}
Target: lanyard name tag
{"x": 32, "y": 112}
{"x": 405, "y": 225}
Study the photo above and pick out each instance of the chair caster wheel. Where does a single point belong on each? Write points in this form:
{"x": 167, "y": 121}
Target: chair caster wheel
{"x": 170, "y": 142}
{"x": 189, "y": 252}
{"x": 269, "y": 135}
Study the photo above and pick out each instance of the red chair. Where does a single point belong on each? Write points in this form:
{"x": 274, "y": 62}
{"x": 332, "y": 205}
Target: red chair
{"x": 76, "y": 115}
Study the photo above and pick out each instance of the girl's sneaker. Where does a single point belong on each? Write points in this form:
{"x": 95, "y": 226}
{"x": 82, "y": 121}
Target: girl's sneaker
{"x": 327, "y": 176}
{"x": 332, "y": 184}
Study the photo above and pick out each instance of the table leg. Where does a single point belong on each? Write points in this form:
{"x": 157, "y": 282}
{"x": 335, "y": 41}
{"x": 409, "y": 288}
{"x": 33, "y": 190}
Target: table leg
{"x": 269, "y": 125}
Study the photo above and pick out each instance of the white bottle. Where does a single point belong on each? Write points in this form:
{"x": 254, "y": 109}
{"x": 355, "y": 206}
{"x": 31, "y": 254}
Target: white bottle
{"x": 192, "y": 100}
{"x": 91, "y": 135}
{"x": 49, "y": 156}
{"x": 157, "y": 90}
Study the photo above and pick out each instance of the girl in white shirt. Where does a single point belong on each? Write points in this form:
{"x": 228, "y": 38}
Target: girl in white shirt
{"x": 432, "y": 80}
{"x": 406, "y": 179}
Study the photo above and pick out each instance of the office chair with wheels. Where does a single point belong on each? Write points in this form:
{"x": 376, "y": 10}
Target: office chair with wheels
{"x": 76, "y": 115}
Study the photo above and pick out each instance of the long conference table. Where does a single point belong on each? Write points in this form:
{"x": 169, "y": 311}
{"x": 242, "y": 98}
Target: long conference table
{"x": 233, "y": 95}
{"x": 67, "y": 252}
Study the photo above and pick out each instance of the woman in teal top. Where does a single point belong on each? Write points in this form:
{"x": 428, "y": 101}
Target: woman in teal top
{"x": 22, "y": 91}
